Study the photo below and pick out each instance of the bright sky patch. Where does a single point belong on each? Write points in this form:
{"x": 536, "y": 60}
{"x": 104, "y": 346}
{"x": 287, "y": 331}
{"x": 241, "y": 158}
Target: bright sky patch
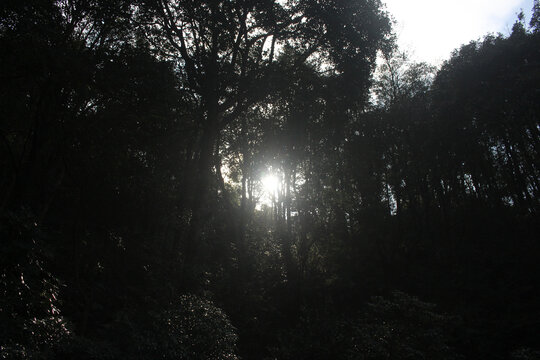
{"x": 431, "y": 29}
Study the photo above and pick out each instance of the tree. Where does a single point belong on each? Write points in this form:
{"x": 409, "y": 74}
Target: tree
{"x": 498, "y": 126}
{"x": 226, "y": 50}
{"x": 535, "y": 18}
{"x": 88, "y": 164}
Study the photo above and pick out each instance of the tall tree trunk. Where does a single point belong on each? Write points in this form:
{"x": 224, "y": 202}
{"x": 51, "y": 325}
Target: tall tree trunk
{"x": 288, "y": 199}
{"x": 242, "y": 248}
{"x": 200, "y": 197}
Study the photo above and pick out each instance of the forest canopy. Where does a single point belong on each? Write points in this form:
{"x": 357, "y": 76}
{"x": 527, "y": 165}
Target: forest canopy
{"x": 239, "y": 179}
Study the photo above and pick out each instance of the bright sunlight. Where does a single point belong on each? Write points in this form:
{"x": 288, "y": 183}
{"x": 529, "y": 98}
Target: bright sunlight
{"x": 270, "y": 188}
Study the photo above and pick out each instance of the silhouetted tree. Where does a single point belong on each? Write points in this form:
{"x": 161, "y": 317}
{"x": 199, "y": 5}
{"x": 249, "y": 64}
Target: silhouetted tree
{"x": 134, "y": 140}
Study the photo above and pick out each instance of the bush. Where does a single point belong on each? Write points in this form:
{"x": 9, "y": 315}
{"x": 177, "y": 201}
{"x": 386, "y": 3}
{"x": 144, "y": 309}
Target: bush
{"x": 31, "y": 323}
{"x": 401, "y": 327}
{"x": 193, "y": 328}
{"x": 397, "y": 327}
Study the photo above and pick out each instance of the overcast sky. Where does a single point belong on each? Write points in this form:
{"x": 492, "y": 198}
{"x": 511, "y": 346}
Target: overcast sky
{"x": 431, "y": 29}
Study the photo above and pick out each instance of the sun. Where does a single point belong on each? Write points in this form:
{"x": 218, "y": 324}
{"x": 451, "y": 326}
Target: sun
{"x": 270, "y": 184}
{"x": 269, "y": 188}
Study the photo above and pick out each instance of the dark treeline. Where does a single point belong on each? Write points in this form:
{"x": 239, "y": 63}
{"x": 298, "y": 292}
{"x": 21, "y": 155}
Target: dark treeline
{"x": 136, "y": 136}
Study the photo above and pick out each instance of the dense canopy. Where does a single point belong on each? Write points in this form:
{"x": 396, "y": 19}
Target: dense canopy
{"x": 239, "y": 179}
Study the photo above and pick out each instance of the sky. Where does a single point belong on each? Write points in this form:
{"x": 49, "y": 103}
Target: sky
{"x": 430, "y": 29}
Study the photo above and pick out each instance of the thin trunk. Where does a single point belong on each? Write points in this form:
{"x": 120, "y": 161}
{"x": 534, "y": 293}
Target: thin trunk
{"x": 288, "y": 199}
{"x": 243, "y": 202}
{"x": 200, "y": 198}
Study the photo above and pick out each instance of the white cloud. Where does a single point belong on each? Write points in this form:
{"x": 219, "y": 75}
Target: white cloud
{"x": 431, "y": 29}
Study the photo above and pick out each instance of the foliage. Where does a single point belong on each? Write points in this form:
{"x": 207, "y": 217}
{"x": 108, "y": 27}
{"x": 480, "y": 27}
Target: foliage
{"x": 134, "y": 137}
{"x": 396, "y": 327}
{"x": 525, "y": 354}
{"x": 197, "y": 329}
{"x": 402, "y": 327}
{"x": 32, "y": 326}
{"x": 535, "y": 18}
